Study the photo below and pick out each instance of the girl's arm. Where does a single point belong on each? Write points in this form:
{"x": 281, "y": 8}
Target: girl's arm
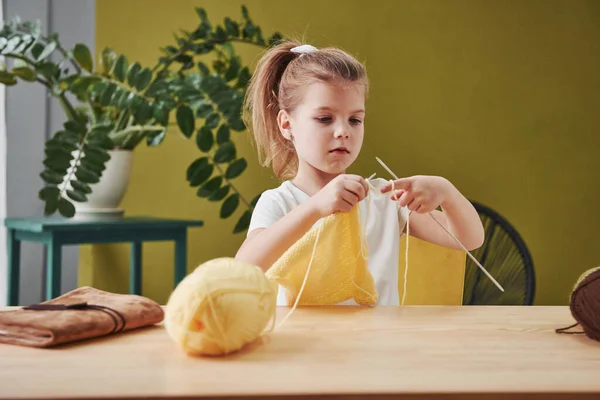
{"x": 264, "y": 246}
{"x": 423, "y": 194}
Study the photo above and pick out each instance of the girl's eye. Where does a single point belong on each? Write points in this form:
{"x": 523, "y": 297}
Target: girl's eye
{"x": 323, "y": 119}
{"x": 355, "y": 121}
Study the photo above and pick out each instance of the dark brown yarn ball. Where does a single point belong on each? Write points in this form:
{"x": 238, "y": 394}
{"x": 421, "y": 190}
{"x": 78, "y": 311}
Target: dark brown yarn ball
{"x": 585, "y": 303}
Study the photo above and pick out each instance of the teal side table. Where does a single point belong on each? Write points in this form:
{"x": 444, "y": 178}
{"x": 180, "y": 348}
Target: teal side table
{"x": 54, "y": 232}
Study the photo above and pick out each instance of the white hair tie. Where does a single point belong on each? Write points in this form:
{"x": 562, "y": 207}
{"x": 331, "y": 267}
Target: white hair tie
{"x": 304, "y": 49}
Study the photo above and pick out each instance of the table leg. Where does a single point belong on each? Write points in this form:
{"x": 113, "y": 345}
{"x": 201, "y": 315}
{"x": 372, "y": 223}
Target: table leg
{"x": 180, "y": 256}
{"x": 53, "y": 268}
{"x": 135, "y": 269}
{"x": 14, "y": 263}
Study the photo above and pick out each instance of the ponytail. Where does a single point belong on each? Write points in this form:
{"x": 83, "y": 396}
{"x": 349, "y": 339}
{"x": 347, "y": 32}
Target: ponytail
{"x": 262, "y": 103}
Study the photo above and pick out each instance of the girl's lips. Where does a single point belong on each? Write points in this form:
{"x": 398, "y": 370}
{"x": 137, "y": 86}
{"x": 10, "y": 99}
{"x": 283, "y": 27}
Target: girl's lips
{"x": 340, "y": 150}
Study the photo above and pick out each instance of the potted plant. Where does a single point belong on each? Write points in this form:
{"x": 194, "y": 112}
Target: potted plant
{"x": 112, "y": 109}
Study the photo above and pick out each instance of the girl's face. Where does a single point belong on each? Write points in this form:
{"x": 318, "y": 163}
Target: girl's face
{"x": 327, "y": 127}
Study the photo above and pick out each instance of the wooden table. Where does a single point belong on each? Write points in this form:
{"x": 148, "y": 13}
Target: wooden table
{"x": 380, "y": 353}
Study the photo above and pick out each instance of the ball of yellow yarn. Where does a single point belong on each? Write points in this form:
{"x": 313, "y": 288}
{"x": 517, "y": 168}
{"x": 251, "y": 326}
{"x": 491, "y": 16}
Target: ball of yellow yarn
{"x": 220, "y": 307}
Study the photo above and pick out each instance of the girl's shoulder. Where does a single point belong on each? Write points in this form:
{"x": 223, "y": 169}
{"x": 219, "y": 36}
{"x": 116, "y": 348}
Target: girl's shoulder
{"x": 286, "y": 196}
{"x": 274, "y": 203}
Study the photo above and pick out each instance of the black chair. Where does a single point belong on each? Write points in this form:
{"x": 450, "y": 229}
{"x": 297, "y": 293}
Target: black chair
{"x": 506, "y": 257}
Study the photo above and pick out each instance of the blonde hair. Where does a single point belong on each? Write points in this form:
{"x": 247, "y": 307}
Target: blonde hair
{"x": 274, "y": 87}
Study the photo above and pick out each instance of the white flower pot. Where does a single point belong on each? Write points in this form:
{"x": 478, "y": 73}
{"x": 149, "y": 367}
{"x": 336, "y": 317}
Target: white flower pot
{"x": 108, "y": 193}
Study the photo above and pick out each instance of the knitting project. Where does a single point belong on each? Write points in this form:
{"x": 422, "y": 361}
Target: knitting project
{"x": 338, "y": 265}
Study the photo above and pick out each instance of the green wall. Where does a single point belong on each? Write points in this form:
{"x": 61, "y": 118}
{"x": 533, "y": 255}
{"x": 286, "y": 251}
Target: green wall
{"x": 500, "y": 97}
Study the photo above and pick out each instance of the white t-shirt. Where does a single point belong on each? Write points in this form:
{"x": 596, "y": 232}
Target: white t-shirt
{"x": 384, "y": 228}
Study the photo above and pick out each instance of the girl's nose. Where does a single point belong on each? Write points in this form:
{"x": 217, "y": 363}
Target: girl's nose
{"x": 341, "y": 132}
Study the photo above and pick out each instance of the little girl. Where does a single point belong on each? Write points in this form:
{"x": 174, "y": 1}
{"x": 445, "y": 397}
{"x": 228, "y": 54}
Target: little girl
{"x": 307, "y": 109}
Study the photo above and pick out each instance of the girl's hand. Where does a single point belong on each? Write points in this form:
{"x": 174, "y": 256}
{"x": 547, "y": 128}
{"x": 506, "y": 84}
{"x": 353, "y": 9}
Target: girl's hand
{"x": 340, "y": 195}
{"x": 421, "y": 194}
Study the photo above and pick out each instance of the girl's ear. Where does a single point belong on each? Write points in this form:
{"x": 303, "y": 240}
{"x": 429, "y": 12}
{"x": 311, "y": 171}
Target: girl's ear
{"x": 284, "y": 123}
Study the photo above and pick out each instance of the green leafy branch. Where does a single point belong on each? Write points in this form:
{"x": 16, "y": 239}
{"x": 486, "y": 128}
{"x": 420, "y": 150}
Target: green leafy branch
{"x": 122, "y": 104}
{"x": 220, "y": 108}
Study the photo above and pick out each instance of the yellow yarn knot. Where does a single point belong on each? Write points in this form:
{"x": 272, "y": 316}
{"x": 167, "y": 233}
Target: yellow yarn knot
{"x": 220, "y": 307}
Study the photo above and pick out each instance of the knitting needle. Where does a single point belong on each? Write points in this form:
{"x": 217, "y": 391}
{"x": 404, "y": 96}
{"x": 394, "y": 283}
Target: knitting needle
{"x": 448, "y": 232}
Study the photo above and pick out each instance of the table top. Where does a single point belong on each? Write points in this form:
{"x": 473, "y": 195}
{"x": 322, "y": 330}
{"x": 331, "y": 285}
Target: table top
{"x": 40, "y": 224}
{"x": 384, "y": 352}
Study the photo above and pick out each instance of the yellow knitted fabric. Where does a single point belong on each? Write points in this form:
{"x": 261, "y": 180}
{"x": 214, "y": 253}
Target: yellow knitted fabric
{"x": 339, "y": 269}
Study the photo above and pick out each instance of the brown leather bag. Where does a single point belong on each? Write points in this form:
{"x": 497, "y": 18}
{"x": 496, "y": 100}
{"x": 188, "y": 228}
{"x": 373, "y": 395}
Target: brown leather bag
{"x": 80, "y": 314}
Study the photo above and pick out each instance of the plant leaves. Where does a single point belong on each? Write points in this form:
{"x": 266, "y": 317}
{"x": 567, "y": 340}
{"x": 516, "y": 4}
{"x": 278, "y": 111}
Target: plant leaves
{"x": 8, "y": 79}
{"x": 233, "y": 70}
{"x": 199, "y": 171}
{"x": 259, "y": 36}
{"x": 95, "y": 154}
{"x": 132, "y": 73}
{"x": 92, "y": 165}
{"x": 243, "y": 222}
{"x": 204, "y": 110}
{"x": 249, "y": 30}
{"x": 83, "y": 56}
{"x": 76, "y": 196}
{"x": 229, "y": 206}
{"x": 220, "y": 36}
{"x": 107, "y": 95}
{"x": 185, "y": 120}
{"x": 120, "y": 68}
{"x": 54, "y": 149}
{"x": 48, "y": 193}
{"x": 81, "y": 187}
{"x": 275, "y": 39}
{"x": 48, "y": 49}
{"x": 155, "y": 138}
{"x": 161, "y": 114}
{"x": 237, "y": 124}
{"x": 219, "y": 66}
{"x": 201, "y": 13}
{"x": 232, "y": 27}
{"x": 213, "y": 120}
{"x": 65, "y": 208}
{"x": 24, "y": 73}
{"x": 203, "y": 69}
{"x": 85, "y": 175}
{"x": 236, "y": 168}
{"x": 48, "y": 70}
{"x": 51, "y": 205}
{"x": 101, "y": 141}
{"x": 143, "y": 79}
{"x": 211, "y": 186}
{"x": 36, "y": 50}
{"x": 219, "y": 194}
{"x": 58, "y": 161}
{"x": 51, "y": 177}
{"x": 184, "y": 59}
{"x": 204, "y": 139}
{"x": 144, "y": 113}
{"x": 243, "y": 78}
{"x": 223, "y": 134}
{"x": 75, "y": 127}
{"x": 82, "y": 84}
{"x": 225, "y": 153}
{"x": 197, "y": 165}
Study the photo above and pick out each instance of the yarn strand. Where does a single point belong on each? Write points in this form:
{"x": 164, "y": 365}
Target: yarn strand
{"x": 407, "y": 236}
{"x": 305, "y": 279}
